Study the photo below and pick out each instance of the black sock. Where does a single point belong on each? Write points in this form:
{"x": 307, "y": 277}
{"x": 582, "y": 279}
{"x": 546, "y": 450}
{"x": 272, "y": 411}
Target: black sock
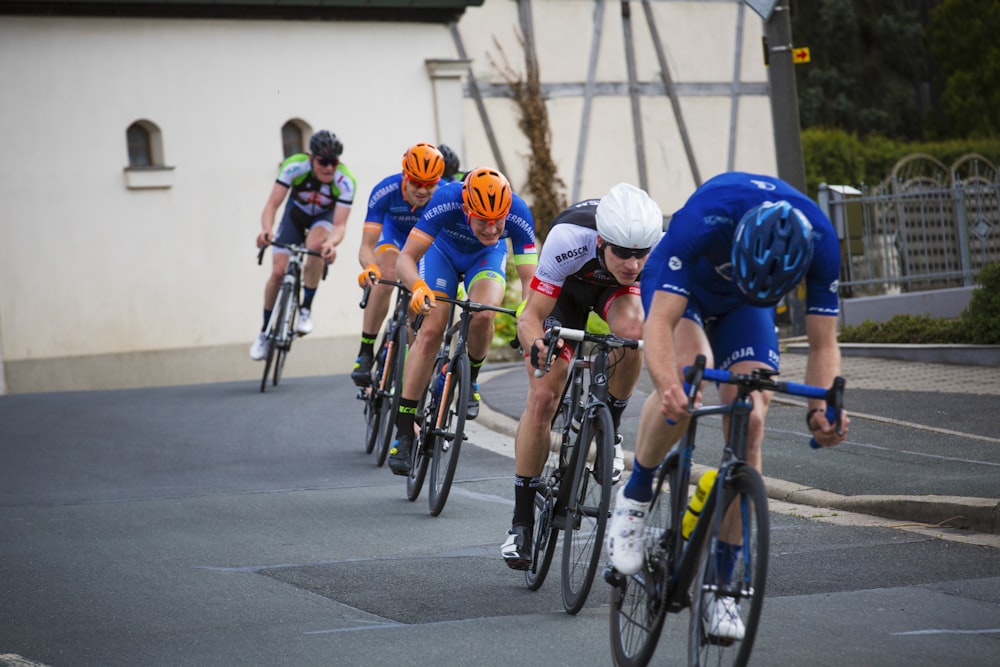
{"x": 406, "y": 415}
{"x": 267, "y": 318}
{"x": 367, "y": 344}
{"x": 524, "y": 500}
{"x": 474, "y": 366}
{"x": 307, "y": 297}
{"x": 617, "y": 406}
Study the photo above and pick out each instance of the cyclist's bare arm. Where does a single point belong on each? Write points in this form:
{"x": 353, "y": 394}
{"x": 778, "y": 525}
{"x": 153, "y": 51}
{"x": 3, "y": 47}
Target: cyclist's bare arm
{"x": 665, "y": 313}
{"x": 270, "y": 212}
{"x": 531, "y": 323}
{"x": 822, "y": 367}
{"x": 525, "y": 272}
{"x": 369, "y": 239}
{"x": 336, "y": 235}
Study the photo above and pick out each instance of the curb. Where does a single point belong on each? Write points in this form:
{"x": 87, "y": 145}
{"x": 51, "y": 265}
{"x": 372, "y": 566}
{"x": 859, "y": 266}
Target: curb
{"x": 977, "y": 514}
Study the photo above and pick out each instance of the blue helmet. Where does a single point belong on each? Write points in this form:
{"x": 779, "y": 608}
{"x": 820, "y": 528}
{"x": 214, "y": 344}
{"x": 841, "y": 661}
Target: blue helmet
{"x": 772, "y": 249}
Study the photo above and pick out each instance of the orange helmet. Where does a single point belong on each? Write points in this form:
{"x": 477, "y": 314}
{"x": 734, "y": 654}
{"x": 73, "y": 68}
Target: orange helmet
{"x": 423, "y": 162}
{"x": 487, "y": 194}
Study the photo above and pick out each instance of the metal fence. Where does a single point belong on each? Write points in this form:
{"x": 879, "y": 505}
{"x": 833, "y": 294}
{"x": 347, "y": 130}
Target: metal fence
{"x": 926, "y": 227}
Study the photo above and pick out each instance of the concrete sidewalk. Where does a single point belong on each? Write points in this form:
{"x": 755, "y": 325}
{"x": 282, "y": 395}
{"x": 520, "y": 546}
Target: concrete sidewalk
{"x": 926, "y": 449}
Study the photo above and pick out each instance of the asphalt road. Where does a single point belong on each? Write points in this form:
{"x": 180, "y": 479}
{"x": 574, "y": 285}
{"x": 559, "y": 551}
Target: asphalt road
{"x": 214, "y": 525}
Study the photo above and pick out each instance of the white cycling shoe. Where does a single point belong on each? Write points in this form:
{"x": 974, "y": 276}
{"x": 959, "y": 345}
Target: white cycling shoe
{"x": 304, "y": 323}
{"x": 258, "y": 350}
{"x": 626, "y": 534}
{"x": 721, "y": 615}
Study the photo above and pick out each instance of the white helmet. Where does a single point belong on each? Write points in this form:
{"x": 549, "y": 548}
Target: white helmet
{"x": 628, "y": 217}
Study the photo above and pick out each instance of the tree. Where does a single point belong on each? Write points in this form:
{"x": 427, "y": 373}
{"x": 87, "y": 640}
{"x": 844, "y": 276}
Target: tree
{"x": 963, "y": 40}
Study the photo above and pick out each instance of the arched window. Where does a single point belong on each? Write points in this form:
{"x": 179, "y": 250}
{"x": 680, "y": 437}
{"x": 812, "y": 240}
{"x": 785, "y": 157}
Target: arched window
{"x": 294, "y": 136}
{"x": 146, "y": 167}
{"x": 145, "y": 144}
{"x": 140, "y": 151}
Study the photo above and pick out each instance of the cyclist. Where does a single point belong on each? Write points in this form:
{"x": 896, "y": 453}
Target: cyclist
{"x": 394, "y": 206}
{"x": 740, "y": 243}
{"x": 451, "y": 162}
{"x": 591, "y": 260}
{"x": 461, "y": 235}
{"x": 320, "y": 192}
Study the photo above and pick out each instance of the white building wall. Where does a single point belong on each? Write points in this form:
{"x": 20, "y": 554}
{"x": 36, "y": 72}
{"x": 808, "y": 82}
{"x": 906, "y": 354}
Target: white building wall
{"x": 89, "y": 267}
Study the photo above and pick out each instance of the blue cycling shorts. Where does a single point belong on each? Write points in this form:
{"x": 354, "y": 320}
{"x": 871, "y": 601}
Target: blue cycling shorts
{"x": 442, "y": 267}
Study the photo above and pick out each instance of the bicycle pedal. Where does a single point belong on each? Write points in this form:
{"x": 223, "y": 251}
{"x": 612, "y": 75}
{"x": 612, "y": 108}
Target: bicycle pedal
{"x": 614, "y": 577}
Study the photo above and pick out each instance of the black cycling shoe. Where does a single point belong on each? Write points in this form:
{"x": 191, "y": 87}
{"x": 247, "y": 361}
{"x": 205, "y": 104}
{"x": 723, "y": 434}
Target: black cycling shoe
{"x": 362, "y": 373}
{"x": 399, "y": 455}
{"x": 516, "y": 549}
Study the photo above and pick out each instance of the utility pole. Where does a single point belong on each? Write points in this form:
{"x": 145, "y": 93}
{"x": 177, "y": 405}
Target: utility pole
{"x": 785, "y": 117}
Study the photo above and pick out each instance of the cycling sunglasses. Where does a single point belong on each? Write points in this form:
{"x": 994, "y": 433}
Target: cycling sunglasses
{"x": 626, "y": 253}
{"x": 429, "y": 185}
{"x": 327, "y": 162}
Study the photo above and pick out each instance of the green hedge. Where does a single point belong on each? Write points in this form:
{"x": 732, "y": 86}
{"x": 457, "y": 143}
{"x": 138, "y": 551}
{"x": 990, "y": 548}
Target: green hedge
{"x": 979, "y": 323}
{"x": 837, "y": 157}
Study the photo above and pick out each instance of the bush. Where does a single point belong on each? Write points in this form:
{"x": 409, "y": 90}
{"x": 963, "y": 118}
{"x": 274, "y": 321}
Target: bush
{"x": 981, "y": 318}
{"x": 979, "y": 323}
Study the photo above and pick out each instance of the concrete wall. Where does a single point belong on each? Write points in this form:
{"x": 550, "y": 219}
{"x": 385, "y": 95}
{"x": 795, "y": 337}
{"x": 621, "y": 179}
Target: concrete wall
{"x": 97, "y": 276}
{"x": 936, "y": 303}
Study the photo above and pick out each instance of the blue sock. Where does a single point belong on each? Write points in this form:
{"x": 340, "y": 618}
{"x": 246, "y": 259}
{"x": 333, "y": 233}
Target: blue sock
{"x": 726, "y": 556}
{"x": 307, "y": 297}
{"x": 640, "y": 484}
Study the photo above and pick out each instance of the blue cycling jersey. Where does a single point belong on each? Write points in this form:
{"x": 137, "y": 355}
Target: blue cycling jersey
{"x": 445, "y": 224}
{"x": 389, "y": 212}
{"x": 693, "y": 257}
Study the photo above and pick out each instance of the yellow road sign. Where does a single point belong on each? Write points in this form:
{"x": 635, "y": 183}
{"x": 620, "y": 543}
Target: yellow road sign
{"x": 800, "y": 55}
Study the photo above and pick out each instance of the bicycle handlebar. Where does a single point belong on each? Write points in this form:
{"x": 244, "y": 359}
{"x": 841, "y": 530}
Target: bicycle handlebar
{"x": 761, "y": 379}
{"x": 555, "y": 333}
{"x": 381, "y": 281}
{"x": 293, "y": 248}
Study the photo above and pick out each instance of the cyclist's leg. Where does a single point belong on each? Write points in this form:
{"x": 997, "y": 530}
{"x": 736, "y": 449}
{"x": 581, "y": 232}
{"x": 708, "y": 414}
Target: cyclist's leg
{"x": 485, "y": 282}
{"x": 621, "y": 308}
{"x": 436, "y": 269}
{"x": 379, "y": 300}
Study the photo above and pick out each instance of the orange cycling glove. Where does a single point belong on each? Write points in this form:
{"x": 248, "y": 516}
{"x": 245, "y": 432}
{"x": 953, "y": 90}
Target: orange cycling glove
{"x": 420, "y": 291}
{"x": 363, "y": 276}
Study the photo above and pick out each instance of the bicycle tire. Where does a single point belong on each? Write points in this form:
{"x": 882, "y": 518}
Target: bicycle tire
{"x": 391, "y": 390}
{"x": 588, "y": 507}
{"x": 544, "y": 538}
{"x": 743, "y": 492}
{"x": 449, "y": 431}
{"x": 376, "y": 396}
{"x": 268, "y": 362}
{"x": 638, "y": 602}
{"x": 274, "y": 334}
{"x": 422, "y": 446}
{"x": 287, "y": 309}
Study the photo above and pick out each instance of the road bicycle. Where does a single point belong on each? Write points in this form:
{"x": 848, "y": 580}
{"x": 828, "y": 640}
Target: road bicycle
{"x": 679, "y": 573}
{"x": 280, "y": 331}
{"x": 441, "y": 410}
{"x": 381, "y": 396}
{"x": 575, "y": 492}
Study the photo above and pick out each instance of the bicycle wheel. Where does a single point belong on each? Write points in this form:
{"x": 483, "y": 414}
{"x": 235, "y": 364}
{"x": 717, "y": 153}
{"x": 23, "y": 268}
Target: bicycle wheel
{"x": 638, "y": 602}
{"x": 287, "y": 333}
{"x": 268, "y": 363}
{"x": 449, "y": 430}
{"x": 546, "y": 534}
{"x": 275, "y": 334}
{"x": 376, "y": 394}
{"x": 587, "y": 509}
{"x": 744, "y": 519}
{"x": 390, "y": 390}
{"x": 423, "y": 446}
